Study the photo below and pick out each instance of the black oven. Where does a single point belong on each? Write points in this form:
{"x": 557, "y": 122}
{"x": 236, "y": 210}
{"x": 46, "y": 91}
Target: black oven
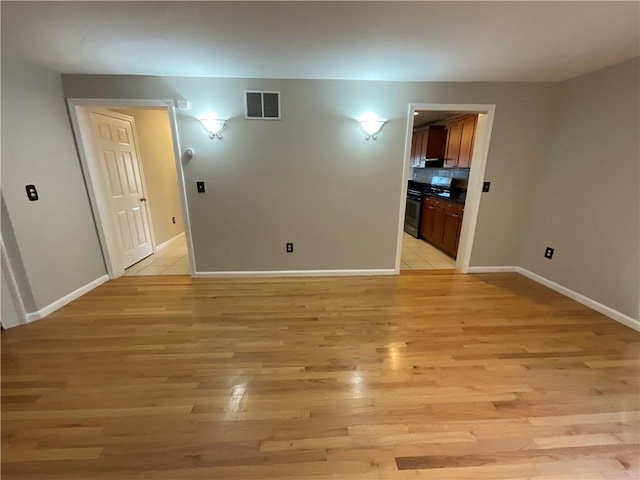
{"x": 412, "y": 213}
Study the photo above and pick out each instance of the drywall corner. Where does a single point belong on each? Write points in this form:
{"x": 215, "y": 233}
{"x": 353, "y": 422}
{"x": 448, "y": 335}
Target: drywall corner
{"x": 587, "y": 201}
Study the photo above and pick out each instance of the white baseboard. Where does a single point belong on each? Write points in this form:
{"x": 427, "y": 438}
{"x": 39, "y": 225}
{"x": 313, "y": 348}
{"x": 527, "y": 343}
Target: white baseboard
{"x": 295, "y": 273}
{"x": 498, "y": 269}
{"x": 169, "y": 242}
{"x": 61, "y": 302}
{"x": 578, "y": 297}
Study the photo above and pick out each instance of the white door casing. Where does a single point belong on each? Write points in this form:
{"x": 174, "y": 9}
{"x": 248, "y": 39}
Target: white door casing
{"x": 119, "y": 171}
{"x": 79, "y": 109}
{"x": 476, "y": 175}
{"x": 12, "y": 311}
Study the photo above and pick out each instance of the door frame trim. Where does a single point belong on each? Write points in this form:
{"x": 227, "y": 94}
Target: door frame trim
{"x": 479, "y": 155}
{"x": 74, "y": 105}
{"x": 12, "y": 285}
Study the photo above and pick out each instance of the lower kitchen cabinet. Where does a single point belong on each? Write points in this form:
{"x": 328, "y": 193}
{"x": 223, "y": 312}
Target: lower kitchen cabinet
{"x": 451, "y": 233}
{"x": 428, "y": 219}
{"x": 438, "y": 227}
{"x": 441, "y": 224}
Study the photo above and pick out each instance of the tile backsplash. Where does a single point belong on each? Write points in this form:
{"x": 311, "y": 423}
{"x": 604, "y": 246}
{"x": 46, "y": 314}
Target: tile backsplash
{"x": 424, "y": 175}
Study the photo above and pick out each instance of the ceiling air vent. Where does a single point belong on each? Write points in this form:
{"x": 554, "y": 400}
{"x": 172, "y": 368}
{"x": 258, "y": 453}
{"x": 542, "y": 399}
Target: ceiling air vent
{"x": 263, "y": 105}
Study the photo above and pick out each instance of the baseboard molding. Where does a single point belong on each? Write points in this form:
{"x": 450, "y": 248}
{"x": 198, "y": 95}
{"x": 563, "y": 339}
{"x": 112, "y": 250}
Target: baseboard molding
{"x": 169, "y": 242}
{"x": 295, "y": 273}
{"x": 578, "y": 297}
{"x": 498, "y": 269}
{"x": 61, "y": 302}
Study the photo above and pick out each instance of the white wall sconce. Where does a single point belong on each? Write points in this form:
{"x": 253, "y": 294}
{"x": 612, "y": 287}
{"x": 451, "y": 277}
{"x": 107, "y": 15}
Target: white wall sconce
{"x": 371, "y": 125}
{"x": 213, "y": 125}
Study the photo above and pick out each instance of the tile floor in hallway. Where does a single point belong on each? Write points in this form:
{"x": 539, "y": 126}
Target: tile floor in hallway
{"x": 171, "y": 260}
{"x": 419, "y": 255}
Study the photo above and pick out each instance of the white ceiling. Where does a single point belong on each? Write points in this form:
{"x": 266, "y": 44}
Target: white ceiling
{"x": 422, "y": 41}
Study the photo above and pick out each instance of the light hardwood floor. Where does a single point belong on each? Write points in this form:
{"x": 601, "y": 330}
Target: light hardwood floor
{"x": 422, "y": 376}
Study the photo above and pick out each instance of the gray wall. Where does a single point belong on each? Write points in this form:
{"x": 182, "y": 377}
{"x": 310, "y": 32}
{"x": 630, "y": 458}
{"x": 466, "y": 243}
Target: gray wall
{"x": 587, "y": 199}
{"x": 158, "y": 163}
{"x": 312, "y": 179}
{"x": 57, "y": 239}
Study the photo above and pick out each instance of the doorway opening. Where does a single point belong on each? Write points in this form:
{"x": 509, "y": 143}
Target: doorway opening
{"x": 445, "y": 159}
{"x": 130, "y": 158}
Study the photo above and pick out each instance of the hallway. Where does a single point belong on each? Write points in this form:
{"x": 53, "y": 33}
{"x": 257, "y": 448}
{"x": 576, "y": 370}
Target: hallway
{"x": 171, "y": 260}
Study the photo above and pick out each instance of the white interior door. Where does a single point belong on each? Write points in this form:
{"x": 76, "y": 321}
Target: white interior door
{"x": 120, "y": 169}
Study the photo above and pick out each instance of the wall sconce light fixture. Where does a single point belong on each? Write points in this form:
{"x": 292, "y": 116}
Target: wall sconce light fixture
{"x": 213, "y": 125}
{"x": 371, "y": 125}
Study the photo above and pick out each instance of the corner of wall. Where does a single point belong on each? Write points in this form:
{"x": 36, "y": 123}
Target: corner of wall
{"x": 14, "y": 257}
{"x": 593, "y": 141}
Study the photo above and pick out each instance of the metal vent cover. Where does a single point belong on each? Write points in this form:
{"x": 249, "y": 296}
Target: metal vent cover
{"x": 262, "y": 105}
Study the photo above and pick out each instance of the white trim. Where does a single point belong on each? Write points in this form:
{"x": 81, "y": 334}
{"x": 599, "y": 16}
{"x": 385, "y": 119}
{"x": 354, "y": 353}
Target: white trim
{"x": 578, "y": 297}
{"x": 497, "y": 269}
{"x": 186, "y": 218}
{"x": 61, "y": 302}
{"x": 169, "y": 242}
{"x": 75, "y": 105}
{"x": 479, "y": 157}
{"x": 567, "y": 292}
{"x": 476, "y": 175}
{"x": 296, "y": 273}
{"x": 12, "y": 284}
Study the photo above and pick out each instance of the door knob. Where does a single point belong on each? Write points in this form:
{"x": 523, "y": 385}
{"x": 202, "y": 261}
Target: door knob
{"x": 143, "y": 199}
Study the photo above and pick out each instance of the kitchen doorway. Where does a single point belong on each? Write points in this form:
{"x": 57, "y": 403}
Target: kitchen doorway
{"x": 445, "y": 159}
{"x": 130, "y": 158}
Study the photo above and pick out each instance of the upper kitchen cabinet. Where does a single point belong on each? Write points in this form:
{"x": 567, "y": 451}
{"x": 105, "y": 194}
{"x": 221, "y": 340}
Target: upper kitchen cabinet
{"x": 428, "y": 142}
{"x": 460, "y": 138}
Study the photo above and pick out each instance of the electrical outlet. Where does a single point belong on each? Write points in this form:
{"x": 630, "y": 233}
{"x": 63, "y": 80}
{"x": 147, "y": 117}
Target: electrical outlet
{"x": 32, "y": 193}
{"x": 548, "y": 253}
{"x": 289, "y": 247}
{"x": 173, "y": 220}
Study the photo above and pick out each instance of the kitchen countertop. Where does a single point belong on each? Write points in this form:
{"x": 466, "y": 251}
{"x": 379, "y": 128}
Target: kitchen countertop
{"x": 423, "y": 187}
{"x": 459, "y": 201}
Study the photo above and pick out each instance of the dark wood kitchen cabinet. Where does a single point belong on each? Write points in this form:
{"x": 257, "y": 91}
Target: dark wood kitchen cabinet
{"x": 452, "y": 222}
{"x": 441, "y": 224}
{"x": 427, "y": 222}
{"x": 460, "y": 138}
{"x": 428, "y": 142}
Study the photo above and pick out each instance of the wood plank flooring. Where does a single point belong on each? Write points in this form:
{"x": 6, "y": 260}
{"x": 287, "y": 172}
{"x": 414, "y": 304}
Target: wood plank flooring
{"x": 423, "y": 376}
